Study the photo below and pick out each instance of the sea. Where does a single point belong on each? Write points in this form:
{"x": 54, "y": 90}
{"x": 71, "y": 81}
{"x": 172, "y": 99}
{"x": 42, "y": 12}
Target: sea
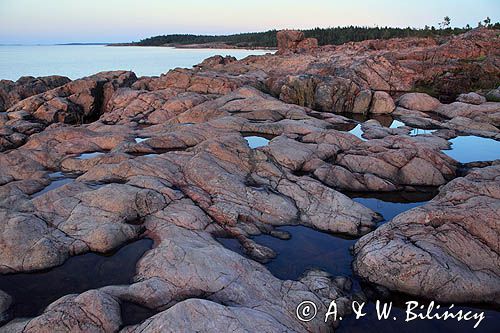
{"x": 76, "y": 61}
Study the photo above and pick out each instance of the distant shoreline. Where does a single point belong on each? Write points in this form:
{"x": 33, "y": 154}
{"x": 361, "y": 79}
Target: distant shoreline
{"x": 200, "y": 46}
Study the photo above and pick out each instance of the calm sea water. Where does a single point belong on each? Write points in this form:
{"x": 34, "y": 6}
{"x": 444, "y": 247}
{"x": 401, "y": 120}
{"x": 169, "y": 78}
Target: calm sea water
{"x": 75, "y": 61}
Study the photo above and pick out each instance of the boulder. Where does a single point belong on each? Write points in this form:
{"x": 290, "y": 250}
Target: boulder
{"x": 362, "y": 102}
{"x": 289, "y": 39}
{"x": 486, "y": 113}
{"x": 294, "y": 40}
{"x": 471, "y": 98}
{"x": 202, "y": 82}
{"x": 382, "y": 103}
{"x": 418, "y": 102}
{"x": 215, "y": 61}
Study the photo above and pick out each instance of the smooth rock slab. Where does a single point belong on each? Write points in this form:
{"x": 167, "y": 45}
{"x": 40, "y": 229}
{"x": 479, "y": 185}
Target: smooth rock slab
{"x": 418, "y": 102}
{"x": 92, "y": 311}
{"x": 198, "y": 315}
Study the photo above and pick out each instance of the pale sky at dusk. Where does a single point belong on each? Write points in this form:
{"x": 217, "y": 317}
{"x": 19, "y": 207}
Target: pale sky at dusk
{"x": 62, "y": 21}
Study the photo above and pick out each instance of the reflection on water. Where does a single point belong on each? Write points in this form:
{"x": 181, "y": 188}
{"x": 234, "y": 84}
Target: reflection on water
{"x": 32, "y": 292}
{"x": 467, "y": 149}
{"x": 87, "y": 156}
{"x": 419, "y": 131}
{"x": 384, "y": 120}
{"x": 256, "y": 141}
{"x": 58, "y": 179}
{"x": 396, "y": 123}
{"x": 357, "y": 131}
{"x": 390, "y": 204}
{"x": 307, "y": 249}
{"x": 352, "y": 128}
{"x": 310, "y": 249}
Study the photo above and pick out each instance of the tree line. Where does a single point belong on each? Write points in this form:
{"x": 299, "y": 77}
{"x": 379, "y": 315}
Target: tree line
{"x": 325, "y": 36}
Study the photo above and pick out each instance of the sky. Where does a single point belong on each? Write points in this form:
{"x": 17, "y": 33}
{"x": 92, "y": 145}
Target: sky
{"x": 65, "y": 21}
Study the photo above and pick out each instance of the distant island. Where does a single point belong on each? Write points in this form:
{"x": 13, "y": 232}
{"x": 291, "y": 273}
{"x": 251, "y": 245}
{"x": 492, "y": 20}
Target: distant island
{"x": 325, "y": 36}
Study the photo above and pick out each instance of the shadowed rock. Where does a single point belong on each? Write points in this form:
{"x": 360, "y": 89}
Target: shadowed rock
{"x": 12, "y": 92}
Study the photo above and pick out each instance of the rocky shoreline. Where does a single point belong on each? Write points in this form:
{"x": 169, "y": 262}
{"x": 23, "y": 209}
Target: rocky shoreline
{"x": 92, "y": 164}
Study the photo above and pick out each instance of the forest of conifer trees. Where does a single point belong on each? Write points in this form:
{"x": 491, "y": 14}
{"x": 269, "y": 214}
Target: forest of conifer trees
{"x": 325, "y": 36}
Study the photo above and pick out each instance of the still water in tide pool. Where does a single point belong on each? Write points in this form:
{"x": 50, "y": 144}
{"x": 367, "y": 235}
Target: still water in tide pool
{"x": 391, "y": 204}
{"x": 312, "y": 249}
{"x": 76, "y": 61}
{"x": 473, "y": 148}
{"x": 309, "y": 248}
{"x": 57, "y": 179}
{"x": 256, "y": 141}
{"x": 32, "y": 292}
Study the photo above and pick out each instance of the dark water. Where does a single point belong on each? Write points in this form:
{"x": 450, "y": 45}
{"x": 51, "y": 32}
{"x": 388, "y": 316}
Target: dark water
{"x": 473, "y": 148}
{"x": 355, "y": 129}
{"x": 232, "y": 244}
{"x": 307, "y": 249}
{"x": 310, "y": 249}
{"x": 134, "y": 314}
{"x": 391, "y": 204}
{"x": 384, "y": 120}
{"x": 58, "y": 179}
{"x": 32, "y": 292}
